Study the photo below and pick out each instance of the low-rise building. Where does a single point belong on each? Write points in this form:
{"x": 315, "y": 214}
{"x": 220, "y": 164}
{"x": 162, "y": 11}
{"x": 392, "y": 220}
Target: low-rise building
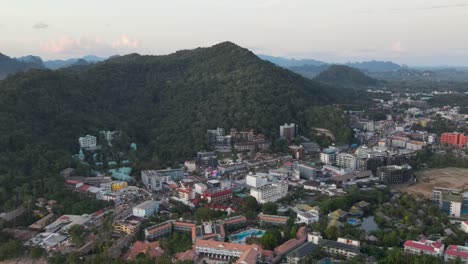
{"x": 273, "y": 219}
{"x": 87, "y": 142}
{"x": 129, "y": 225}
{"x": 424, "y": 246}
{"x": 150, "y": 249}
{"x": 454, "y": 252}
{"x": 146, "y": 208}
{"x": 217, "y": 195}
{"x": 307, "y": 218}
{"x": 226, "y": 251}
{"x": 159, "y": 230}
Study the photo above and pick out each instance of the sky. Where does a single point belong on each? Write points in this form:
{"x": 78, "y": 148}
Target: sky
{"x": 412, "y": 32}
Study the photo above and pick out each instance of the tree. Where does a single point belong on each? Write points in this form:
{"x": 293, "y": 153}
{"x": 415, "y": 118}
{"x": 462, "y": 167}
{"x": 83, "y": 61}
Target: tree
{"x": 332, "y": 232}
{"x": 270, "y": 208}
{"x": 76, "y": 233}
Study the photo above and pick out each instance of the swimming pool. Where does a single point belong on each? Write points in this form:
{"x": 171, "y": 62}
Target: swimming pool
{"x": 240, "y": 238}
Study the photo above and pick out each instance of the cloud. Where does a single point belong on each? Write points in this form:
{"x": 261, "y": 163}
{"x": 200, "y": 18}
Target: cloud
{"x": 441, "y": 6}
{"x": 397, "y": 47}
{"x": 40, "y": 25}
{"x": 125, "y": 41}
{"x": 70, "y": 46}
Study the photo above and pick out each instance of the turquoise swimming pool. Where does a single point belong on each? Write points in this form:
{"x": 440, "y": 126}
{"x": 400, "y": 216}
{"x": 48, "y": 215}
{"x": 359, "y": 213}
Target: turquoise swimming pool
{"x": 240, "y": 238}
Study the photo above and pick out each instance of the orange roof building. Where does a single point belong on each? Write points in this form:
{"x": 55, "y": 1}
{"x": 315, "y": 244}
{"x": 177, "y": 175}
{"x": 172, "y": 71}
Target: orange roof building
{"x": 152, "y": 249}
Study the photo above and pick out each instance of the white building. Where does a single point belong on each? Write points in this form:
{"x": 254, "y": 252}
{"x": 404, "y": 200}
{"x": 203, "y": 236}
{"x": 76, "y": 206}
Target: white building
{"x": 146, "y": 208}
{"x": 464, "y": 226}
{"x": 328, "y": 156}
{"x": 108, "y": 135}
{"x": 87, "y": 142}
{"x": 256, "y": 180}
{"x": 154, "y": 180}
{"x": 200, "y": 188}
{"x": 307, "y": 217}
{"x": 270, "y": 192}
{"x": 346, "y": 160}
{"x": 424, "y": 246}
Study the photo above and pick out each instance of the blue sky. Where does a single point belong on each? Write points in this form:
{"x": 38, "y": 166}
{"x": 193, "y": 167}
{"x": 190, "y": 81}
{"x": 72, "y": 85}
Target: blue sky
{"x": 414, "y": 32}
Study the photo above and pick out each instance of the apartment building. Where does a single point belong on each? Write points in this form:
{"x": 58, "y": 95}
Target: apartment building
{"x": 270, "y": 193}
{"x": 454, "y": 252}
{"x": 87, "y": 142}
{"x": 394, "y": 174}
{"x": 146, "y": 208}
{"x": 256, "y": 180}
{"x": 328, "y": 156}
{"x": 159, "y": 230}
{"x": 153, "y": 180}
{"x": 347, "y": 161}
{"x": 288, "y": 131}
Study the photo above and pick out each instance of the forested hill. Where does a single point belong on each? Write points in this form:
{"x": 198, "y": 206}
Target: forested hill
{"x": 164, "y": 103}
{"x": 345, "y": 76}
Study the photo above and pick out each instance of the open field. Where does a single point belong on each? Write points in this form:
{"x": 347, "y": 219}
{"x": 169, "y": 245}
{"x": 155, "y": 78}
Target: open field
{"x": 456, "y": 178}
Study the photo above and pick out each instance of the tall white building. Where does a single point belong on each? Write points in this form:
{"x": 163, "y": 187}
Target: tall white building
{"x": 346, "y": 160}
{"x": 270, "y": 192}
{"x": 328, "y": 156}
{"x": 87, "y": 142}
{"x": 153, "y": 180}
{"x": 255, "y": 180}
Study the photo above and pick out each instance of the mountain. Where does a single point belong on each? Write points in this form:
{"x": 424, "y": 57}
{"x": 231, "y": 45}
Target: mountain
{"x": 58, "y": 64}
{"x": 287, "y": 63}
{"x": 345, "y": 76}
{"x": 309, "y": 71}
{"x": 163, "y": 103}
{"x": 10, "y": 65}
{"x": 375, "y": 66}
{"x": 35, "y": 60}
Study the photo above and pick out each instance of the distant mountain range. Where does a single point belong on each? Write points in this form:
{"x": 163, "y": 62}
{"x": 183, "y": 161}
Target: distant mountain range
{"x": 381, "y": 70}
{"x": 9, "y": 65}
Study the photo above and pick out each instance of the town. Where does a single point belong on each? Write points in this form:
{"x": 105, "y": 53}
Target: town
{"x": 249, "y": 198}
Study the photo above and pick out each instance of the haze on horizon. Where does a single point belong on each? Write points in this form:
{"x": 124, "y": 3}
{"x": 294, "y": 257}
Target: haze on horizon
{"x": 415, "y": 32}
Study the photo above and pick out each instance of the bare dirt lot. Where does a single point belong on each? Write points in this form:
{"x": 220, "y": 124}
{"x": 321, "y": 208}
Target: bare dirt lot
{"x": 456, "y": 178}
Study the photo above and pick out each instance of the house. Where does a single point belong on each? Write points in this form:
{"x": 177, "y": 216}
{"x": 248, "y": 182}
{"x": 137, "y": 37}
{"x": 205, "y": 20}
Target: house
{"x": 150, "y": 249}
{"x": 424, "y": 246}
{"x": 337, "y": 214}
{"x": 307, "y": 218}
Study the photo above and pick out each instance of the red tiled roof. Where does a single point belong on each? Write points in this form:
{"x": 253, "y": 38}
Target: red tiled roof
{"x": 153, "y": 249}
{"x": 72, "y": 182}
{"x": 84, "y": 188}
{"x": 218, "y": 193}
{"x": 187, "y": 255}
{"x": 288, "y": 246}
{"x": 301, "y": 233}
{"x": 421, "y": 245}
{"x": 452, "y": 250}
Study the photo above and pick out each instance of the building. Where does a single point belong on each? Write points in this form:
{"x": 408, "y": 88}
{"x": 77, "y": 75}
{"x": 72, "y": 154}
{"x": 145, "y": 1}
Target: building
{"x": 200, "y": 188}
{"x": 159, "y": 230}
{"x": 346, "y": 160}
{"x": 307, "y": 217}
{"x": 394, "y": 174}
{"x": 328, "y": 156}
{"x": 87, "y": 142}
{"x": 150, "y": 249}
{"x": 223, "y": 250}
{"x": 217, "y": 195}
{"x": 129, "y": 225}
{"x": 288, "y": 131}
{"x": 424, "y": 246}
{"x": 311, "y": 147}
{"x": 153, "y": 180}
{"x": 186, "y": 193}
{"x": 454, "y": 139}
{"x": 464, "y": 226}
{"x": 348, "y": 250}
{"x": 270, "y": 192}
{"x": 297, "y": 151}
{"x": 108, "y": 135}
{"x": 454, "y": 252}
{"x": 255, "y": 180}
{"x": 306, "y": 171}
{"x": 453, "y": 202}
{"x": 244, "y": 146}
{"x": 206, "y": 159}
{"x": 272, "y": 219}
{"x": 232, "y": 168}
{"x": 300, "y": 253}
{"x": 146, "y": 208}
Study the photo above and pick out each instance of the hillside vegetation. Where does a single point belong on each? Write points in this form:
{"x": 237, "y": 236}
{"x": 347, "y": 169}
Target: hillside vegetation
{"x": 163, "y": 103}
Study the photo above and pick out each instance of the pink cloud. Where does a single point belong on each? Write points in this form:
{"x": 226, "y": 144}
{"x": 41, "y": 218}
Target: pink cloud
{"x": 397, "y": 47}
{"x": 69, "y": 46}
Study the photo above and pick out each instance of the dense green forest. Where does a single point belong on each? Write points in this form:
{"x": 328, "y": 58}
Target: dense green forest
{"x": 163, "y": 103}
